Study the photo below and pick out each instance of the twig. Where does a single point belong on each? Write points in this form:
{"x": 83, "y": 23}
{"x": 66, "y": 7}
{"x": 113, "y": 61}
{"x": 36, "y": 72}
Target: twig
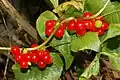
{"x": 5, "y": 4}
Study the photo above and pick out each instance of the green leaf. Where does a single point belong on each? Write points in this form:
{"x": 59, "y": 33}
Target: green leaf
{"x": 92, "y": 69}
{"x": 63, "y": 46}
{"x": 94, "y": 6}
{"x": 40, "y": 23}
{"x": 114, "y": 58}
{"x": 113, "y": 31}
{"x": 113, "y": 17}
{"x": 89, "y": 41}
{"x": 97, "y": 5}
{"x": 52, "y": 72}
{"x": 55, "y": 3}
{"x": 72, "y": 12}
{"x": 112, "y": 50}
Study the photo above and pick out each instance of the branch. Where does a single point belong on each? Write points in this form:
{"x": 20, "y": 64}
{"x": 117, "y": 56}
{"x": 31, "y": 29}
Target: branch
{"x": 4, "y": 4}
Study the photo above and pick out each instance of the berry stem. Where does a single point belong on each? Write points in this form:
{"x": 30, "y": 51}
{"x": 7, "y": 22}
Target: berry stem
{"x": 98, "y": 13}
{"x": 46, "y": 41}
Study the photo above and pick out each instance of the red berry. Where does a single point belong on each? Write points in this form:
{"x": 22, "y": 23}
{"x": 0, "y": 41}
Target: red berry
{"x": 41, "y": 64}
{"x": 87, "y": 14}
{"x": 18, "y": 58}
{"x": 15, "y": 50}
{"x": 27, "y": 56}
{"x": 60, "y": 32}
{"x": 87, "y": 24}
{"x": 104, "y": 26}
{"x": 62, "y": 26}
{"x": 71, "y": 25}
{"x": 92, "y": 28}
{"x": 40, "y": 54}
{"x": 34, "y": 58}
{"x": 50, "y": 23}
{"x": 32, "y": 46}
{"x": 48, "y": 31}
{"x": 79, "y": 19}
{"x": 80, "y": 26}
{"x": 24, "y": 64}
{"x": 50, "y": 60}
{"x": 81, "y": 33}
{"x": 45, "y": 58}
{"x": 100, "y": 32}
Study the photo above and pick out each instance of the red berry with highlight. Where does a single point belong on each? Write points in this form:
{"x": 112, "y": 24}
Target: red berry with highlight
{"x": 50, "y": 61}
{"x": 15, "y": 50}
{"x": 92, "y": 28}
{"x": 87, "y": 14}
{"x": 34, "y": 58}
{"x": 50, "y": 23}
{"x": 48, "y": 31}
{"x": 40, "y": 54}
{"x": 71, "y": 25}
{"x": 18, "y": 58}
{"x": 27, "y": 56}
{"x": 80, "y": 26}
{"x": 41, "y": 64}
{"x": 24, "y": 64}
{"x": 60, "y": 32}
{"x": 45, "y": 58}
{"x": 104, "y": 26}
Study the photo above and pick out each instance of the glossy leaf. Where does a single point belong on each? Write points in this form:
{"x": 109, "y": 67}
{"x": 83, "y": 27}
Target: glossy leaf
{"x": 52, "y": 72}
{"x": 113, "y": 31}
{"x": 40, "y": 23}
{"x": 63, "y": 46}
{"x": 92, "y": 69}
{"x": 113, "y": 17}
{"x": 89, "y": 41}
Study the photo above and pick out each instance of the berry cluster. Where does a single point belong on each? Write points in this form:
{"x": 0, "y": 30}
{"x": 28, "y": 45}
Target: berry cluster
{"x": 78, "y": 26}
{"x": 39, "y": 57}
{"x": 50, "y": 28}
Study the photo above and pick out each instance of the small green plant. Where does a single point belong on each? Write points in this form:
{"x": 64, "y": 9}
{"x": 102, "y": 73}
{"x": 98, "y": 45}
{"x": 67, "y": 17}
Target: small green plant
{"x": 80, "y": 25}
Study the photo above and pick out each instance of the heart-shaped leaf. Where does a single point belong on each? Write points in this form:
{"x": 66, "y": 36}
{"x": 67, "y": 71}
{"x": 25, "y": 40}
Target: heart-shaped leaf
{"x": 52, "y": 72}
{"x": 40, "y": 23}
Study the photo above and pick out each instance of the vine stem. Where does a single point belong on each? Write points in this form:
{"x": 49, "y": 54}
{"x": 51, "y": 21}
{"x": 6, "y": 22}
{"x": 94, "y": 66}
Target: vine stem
{"x": 109, "y": 13}
{"x": 98, "y": 13}
{"x": 57, "y": 25}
